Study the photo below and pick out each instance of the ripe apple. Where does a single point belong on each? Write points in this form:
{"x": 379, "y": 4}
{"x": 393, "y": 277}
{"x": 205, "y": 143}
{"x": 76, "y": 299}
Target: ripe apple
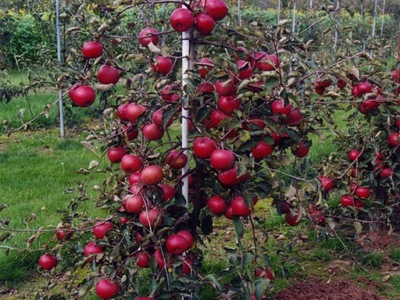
{"x": 264, "y": 272}
{"x": 318, "y": 88}
{"x": 363, "y": 192}
{"x": 228, "y": 177}
{"x": 225, "y": 88}
{"x": 92, "y": 50}
{"x": 394, "y": 139}
{"x": 217, "y": 9}
{"x": 205, "y": 88}
{"x": 101, "y": 228}
{"x": 64, "y": 234}
{"x": 176, "y": 244}
{"x": 217, "y": 205}
{"x": 245, "y": 69}
{"x": 292, "y": 218}
{"x": 162, "y": 65}
{"x": 92, "y": 248}
{"x": 84, "y": 96}
{"x": 48, "y": 261}
{"x": 152, "y": 132}
{"x": 106, "y": 288}
{"x": 168, "y": 95}
{"x": 341, "y": 83}
{"x": 239, "y": 207}
{"x": 133, "y": 111}
{"x": 265, "y": 62}
{"x": 261, "y": 150}
{"x": 134, "y": 204}
{"x": 143, "y": 259}
{"x": 347, "y": 200}
{"x": 144, "y": 298}
{"x": 152, "y": 174}
{"x": 116, "y": 153}
{"x": 135, "y": 178}
{"x": 204, "y": 146}
{"x": 176, "y": 159}
{"x": 149, "y": 217}
{"x": 216, "y": 118}
{"x": 187, "y": 264}
{"x": 354, "y": 154}
{"x": 396, "y": 75}
{"x": 188, "y": 236}
{"x": 254, "y": 124}
{"x": 222, "y": 159}
{"x": 181, "y": 19}
{"x": 148, "y": 35}
{"x": 72, "y": 90}
{"x": 228, "y": 213}
{"x": 168, "y": 191}
{"x": 205, "y": 65}
{"x": 228, "y": 104}
{"x": 131, "y": 163}
{"x": 294, "y": 118}
{"x": 159, "y": 257}
{"x": 279, "y": 107}
{"x": 301, "y": 150}
{"x": 364, "y": 87}
{"x": 108, "y": 74}
{"x": 121, "y": 112}
{"x": 386, "y": 172}
{"x": 204, "y": 23}
{"x": 326, "y": 183}
{"x": 158, "y": 119}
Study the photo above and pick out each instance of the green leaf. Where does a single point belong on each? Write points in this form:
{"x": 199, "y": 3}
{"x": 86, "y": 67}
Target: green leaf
{"x": 237, "y": 223}
{"x": 260, "y": 286}
{"x": 213, "y": 281}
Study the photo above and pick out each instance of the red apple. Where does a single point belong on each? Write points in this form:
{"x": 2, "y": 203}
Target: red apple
{"x": 92, "y": 50}
{"x": 217, "y": 9}
{"x": 135, "y": 178}
{"x": 133, "y": 111}
{"x": 326, "y": 183}
{"x": 205, "y": 88}
{"x": 204, "y": 146}
{"x": 92, "y": 248}
{"x": 386, "y": 172}
{"x": 301, "y": 150}
{"x": 159, "y": 257}
{"x": 162, "y": 65}
{"x": 363, "y": 192}
{"x": 149, "y": 217}
{"x": 101, "y": 228}
{"x": 347, "y": 200}
{"x": 176, "y": 244}
{"x": 228, "y": 104}
{"x": 143, "y": 259}
{"x": 168, "y": 191}
{"x": 354, "y": 155}
{"x": 116, "y": 153}
{"x": 216, "y": 118}
{"x": 188, "y": 236}
{"x": 228, "y": 177}
{"x": 131, "y": 163}
{"x": 152, "y": 132}
{"x": 265, "y": 62}
{"x": 64, "y": 234}
{"x": 279, "y": 107}
{"x": 239, "y": 207}
{"x": 225, "y": 88}
{"x": 158, "y": 119}
{"x": 204, "y": 23}
{"x": 108, "y": 75}
{"x": 181, "y": 19}
{"x": 341, "y": 83}
{"x": 394, "y": 139}
{"x": 261, "y": 150}
{"x": 152, "y": 174}
{"x": 84, "y": 96}
{"x": 148, "y": 35}
{"x": 134, "y": 204}
{"x": 217, "y": 205}
{"x": 106, "y": 288}
{"x": 245, "y": 69}
{"x": 292, "y": 218}
{"x": 169, "y": 96}
{"x": 176, "y": 159}
{"x": 48, "y": 261}
{"x": 222, "y": 159}
{"x": 294, "y": 118}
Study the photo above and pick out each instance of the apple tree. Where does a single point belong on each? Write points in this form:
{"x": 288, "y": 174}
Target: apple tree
{"x": 244, "y": 103}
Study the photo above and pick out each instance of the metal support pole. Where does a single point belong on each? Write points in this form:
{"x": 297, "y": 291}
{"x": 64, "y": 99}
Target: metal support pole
{"x": 60, "y": 93}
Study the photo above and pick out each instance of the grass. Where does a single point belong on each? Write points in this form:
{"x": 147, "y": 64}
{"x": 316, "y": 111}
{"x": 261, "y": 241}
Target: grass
{"x": 36, "y": 170}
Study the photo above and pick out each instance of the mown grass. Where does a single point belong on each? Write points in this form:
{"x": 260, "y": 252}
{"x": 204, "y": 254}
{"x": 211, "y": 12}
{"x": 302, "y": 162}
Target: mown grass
{"x": 36, "y": 170}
